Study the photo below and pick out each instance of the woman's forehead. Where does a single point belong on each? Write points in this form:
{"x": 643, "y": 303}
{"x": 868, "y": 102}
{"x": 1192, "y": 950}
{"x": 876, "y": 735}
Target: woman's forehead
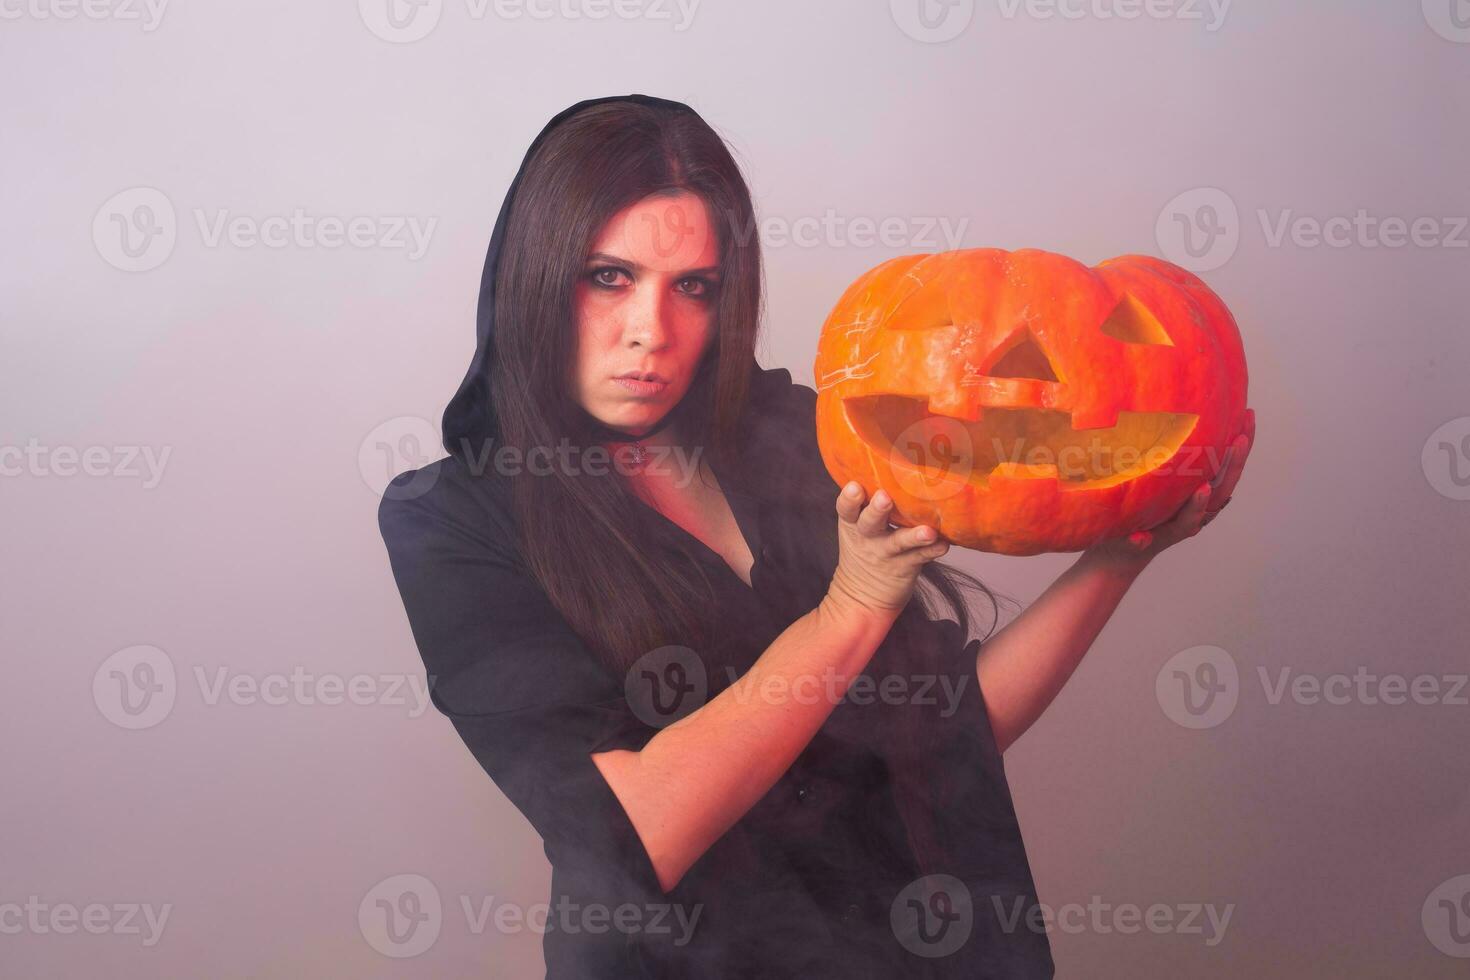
{"x": 663, "y": 232}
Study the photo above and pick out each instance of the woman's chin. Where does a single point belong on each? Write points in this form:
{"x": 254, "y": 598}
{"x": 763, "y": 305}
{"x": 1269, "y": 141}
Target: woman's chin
{"x": 632, "y": 419}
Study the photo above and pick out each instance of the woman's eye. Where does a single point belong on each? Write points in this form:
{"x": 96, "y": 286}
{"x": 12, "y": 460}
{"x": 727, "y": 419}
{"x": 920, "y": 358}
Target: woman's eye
{"x": 604, "y": 276}
{"x": 694, "y": 286}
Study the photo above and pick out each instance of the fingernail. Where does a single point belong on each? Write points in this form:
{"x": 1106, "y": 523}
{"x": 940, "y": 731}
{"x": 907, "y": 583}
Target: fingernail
{"x": 881, "y": 498}
{"x": 851, "y": 489}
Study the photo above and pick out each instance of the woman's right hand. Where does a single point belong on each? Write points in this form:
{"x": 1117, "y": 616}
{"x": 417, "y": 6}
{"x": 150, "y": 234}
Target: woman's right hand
{"x": 878, "y": 566}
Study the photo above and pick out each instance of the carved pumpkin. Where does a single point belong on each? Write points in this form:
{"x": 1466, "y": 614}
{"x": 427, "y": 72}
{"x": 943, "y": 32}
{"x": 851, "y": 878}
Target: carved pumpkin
{"x": 1021, "y": 402}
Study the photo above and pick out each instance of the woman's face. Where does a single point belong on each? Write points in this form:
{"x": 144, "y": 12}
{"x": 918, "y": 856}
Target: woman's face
{"x": 645, "y": 304}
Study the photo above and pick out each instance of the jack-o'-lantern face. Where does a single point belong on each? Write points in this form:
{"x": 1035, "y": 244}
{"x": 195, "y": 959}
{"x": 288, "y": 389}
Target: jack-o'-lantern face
{"x": 1021, "y": 402}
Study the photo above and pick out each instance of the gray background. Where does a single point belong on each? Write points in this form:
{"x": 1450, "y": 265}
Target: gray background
{"x": 287, "y": 383}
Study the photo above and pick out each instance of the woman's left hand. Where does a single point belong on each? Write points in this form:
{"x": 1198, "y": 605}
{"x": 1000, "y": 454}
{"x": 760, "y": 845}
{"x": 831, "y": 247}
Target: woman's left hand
{"x": 1194, "y": 513}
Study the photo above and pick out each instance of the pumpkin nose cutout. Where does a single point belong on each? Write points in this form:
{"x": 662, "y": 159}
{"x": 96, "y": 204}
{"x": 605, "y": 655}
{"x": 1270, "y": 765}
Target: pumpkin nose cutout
{"x": 1024, "y": 360}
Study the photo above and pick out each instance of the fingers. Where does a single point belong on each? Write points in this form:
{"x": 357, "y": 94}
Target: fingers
{"x": 1240, "y": 448}
{"x": 873, "y": 521}
{"x": 922, "y": 542}
{"x": 874, "y": 518}
{"x": 1225, "y": 463}
{"x": 1193, "y": 511}
{"x": 1230, "y": 469}
{"x": 850, "y": 502}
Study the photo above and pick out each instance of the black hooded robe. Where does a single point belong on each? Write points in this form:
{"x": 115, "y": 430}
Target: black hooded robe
{"x": 819, "y": 878}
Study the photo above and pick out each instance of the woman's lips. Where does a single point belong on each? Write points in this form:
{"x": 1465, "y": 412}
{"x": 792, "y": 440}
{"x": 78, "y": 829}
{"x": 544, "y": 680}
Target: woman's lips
{"x": 645, "y": 389}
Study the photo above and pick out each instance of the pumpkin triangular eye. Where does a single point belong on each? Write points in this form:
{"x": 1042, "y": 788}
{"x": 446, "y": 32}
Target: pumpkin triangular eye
{"x": 1132, "y": 323}
{"x": 1024, "y": 360}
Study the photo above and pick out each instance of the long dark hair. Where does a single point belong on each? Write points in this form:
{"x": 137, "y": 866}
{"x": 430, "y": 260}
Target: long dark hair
{"x": 580, "y": 536}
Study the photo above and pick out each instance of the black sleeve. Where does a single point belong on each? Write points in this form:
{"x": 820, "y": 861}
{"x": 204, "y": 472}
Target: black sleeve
{"x": 527, "y": 696}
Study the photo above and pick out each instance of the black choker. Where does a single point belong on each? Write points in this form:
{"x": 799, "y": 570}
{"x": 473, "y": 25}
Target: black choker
{"x": 605, "y": 433}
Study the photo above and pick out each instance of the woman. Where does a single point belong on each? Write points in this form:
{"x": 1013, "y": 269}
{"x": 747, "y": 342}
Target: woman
{"x": 686, "y": 655}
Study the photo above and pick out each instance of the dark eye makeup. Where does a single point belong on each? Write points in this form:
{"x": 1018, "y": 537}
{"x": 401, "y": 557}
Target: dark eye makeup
{"x": 598, "y": 276}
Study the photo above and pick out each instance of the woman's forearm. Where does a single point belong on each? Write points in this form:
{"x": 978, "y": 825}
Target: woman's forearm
{"x": 1023, "y": 667}
{"x": 694, "y": 779}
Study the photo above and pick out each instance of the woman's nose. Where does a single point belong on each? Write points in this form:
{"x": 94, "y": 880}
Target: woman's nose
{"x": 647, "y": 325}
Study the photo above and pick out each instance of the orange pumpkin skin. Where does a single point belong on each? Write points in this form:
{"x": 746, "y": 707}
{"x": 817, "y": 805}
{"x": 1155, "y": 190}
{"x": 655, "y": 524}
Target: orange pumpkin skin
{"x": 1023, "y": 403}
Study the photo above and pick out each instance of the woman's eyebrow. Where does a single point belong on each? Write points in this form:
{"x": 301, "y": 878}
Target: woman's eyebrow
{"x": 605, "y": 257}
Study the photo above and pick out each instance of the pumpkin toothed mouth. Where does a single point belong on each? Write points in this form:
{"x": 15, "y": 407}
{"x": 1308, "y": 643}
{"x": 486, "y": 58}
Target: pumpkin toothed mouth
{"x": 1018, "y": 443}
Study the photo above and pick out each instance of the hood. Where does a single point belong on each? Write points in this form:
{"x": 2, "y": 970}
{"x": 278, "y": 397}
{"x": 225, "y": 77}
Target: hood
{"x": 470, "y": 415}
